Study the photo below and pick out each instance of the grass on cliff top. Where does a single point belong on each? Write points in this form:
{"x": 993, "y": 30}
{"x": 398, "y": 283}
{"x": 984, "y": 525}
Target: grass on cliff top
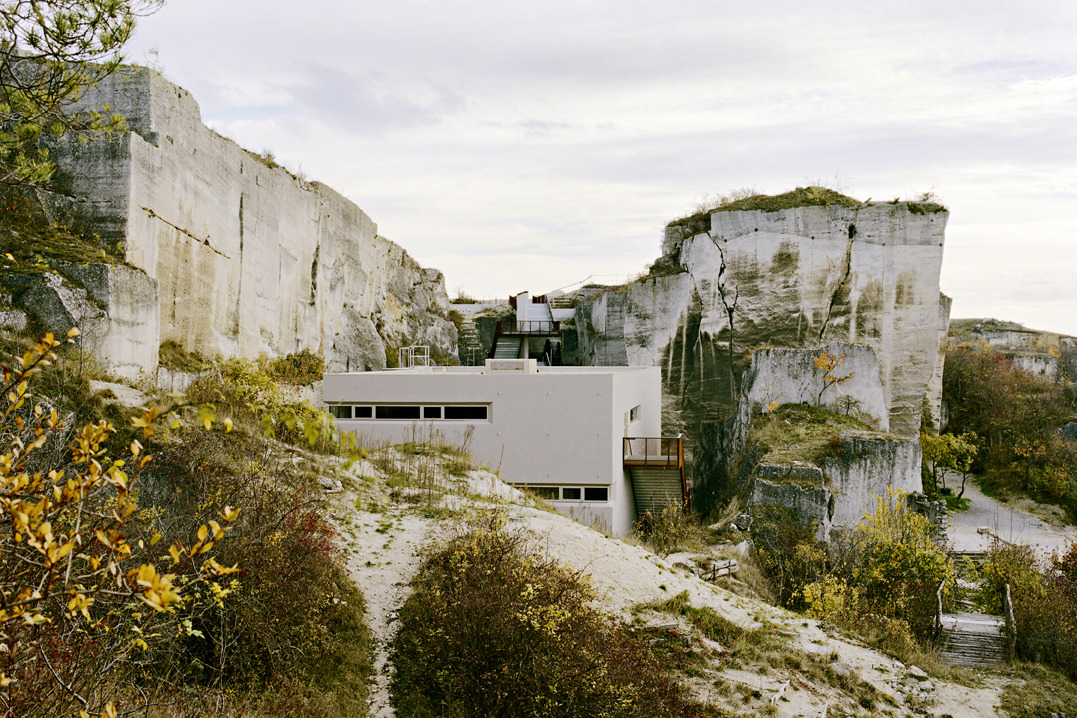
{"x": 32, "y": 241}
{"x": 813, "y": 196}
{"x": 805, "y": 434}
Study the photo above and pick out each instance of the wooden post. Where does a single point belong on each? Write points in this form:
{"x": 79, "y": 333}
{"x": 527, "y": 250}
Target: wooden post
{"x": 1011, "y": 624}
{"x": 938, "y": 610}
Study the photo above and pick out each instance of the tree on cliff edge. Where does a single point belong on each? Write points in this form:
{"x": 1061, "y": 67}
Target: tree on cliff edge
{"x": 51, "y": 51}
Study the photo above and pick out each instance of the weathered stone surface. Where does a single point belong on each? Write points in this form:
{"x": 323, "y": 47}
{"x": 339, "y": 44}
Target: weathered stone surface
{"x": 248, "y": 259}
{"x": 1046, "y": 354}
{"x": 830, "y": 491}
{"x": 793, "y": 278}
{"x": 789, "y": 376}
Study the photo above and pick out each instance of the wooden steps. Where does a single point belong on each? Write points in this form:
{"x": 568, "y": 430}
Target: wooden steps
{"x": 973, "y": 639}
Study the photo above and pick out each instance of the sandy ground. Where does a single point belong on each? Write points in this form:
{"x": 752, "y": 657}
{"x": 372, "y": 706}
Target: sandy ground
{"x": 1012, "y": 522}
{"x": 384, "y": 549}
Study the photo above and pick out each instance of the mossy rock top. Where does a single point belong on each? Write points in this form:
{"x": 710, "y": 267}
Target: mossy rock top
{"x": 801, "y": 435}
{"x": 800, "y": 197}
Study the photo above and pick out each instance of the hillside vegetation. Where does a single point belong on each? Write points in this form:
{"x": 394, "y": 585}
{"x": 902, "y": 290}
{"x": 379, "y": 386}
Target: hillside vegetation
{"x": 1016, "y": 417}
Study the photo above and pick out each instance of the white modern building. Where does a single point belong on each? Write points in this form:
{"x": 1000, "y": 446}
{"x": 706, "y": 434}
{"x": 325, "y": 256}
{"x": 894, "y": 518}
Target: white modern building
{"x": 588, "y": 439}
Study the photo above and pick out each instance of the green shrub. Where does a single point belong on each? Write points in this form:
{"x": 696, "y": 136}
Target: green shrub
{"x": 1044, "y": 602}
{"x": 300, "y": 368}
{"x": 237, "y": 390}
{"x": 294, "y": 627}
{"x": 1015, "y": 416}
{"x": 492, "y": 629}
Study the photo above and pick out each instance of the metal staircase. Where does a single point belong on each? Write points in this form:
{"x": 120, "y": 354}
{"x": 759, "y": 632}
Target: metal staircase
{"x": 508, "y": 347}
{"x": 471, "y": 352}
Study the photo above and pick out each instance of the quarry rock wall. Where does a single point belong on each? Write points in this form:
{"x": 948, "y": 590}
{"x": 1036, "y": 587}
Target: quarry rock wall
{"x": 790, "y": 376}
{"x": 246, "y": 258}
{"x": 843, "y": 489}
{"x": 835, "y": 490}
{"x": 800, "y": 277}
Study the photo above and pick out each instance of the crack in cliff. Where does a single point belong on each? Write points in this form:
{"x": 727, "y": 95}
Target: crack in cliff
{"x": 181, "y": 230}
{"x": 843, "y": 283}
{"x": 730, "y": 310}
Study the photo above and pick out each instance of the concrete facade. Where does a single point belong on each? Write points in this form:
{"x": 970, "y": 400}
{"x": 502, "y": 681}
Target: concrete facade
{"x": 544, "y": 427}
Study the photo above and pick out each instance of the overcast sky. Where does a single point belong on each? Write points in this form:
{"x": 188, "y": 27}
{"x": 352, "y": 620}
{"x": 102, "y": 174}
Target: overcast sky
{"x": 526, "y": 146}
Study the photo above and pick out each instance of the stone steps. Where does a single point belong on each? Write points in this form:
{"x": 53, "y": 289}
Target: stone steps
{"x": 471, "y": 351}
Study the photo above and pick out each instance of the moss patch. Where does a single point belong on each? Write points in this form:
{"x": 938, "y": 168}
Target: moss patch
{"x": 33, "y": 242}
{"x": 805, "y": 434}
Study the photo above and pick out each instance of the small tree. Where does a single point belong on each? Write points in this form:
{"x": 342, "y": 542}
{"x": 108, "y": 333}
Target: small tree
{"x": 51, "y": 51}
{"x": 947, "y": 451}
{"x": 828, "y": 363}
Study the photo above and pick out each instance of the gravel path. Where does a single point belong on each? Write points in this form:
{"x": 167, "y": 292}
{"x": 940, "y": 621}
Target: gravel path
{"x": 1009, "y": 524}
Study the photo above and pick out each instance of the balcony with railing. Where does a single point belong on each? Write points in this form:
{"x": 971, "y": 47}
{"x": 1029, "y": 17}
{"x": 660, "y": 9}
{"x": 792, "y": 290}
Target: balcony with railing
{"x": 541, "y": 327}
{"x": 661, "y": 452}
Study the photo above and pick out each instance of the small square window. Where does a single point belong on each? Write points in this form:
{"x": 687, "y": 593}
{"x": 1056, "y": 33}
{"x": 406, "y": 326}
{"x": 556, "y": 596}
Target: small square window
{"x": 431, "y": 412}
{"x": 340, "y": 412}
{"x": 596, "y": 493}
{"x": 633, "y": 413}
{"x": 568, "y": 494}
{"x": 362, "y": 412}
{"x": 544, "y": 492}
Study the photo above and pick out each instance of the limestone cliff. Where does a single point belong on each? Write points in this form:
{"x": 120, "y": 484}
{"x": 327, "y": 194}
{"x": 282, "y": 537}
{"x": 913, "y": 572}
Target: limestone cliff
{"x": 244, "y": 257}
{"x": 796, "y": 277}
{"x": 820, "y": 452}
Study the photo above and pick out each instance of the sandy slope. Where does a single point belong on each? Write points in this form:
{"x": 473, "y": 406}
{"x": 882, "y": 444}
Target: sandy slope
{"x": 384, "y": 546}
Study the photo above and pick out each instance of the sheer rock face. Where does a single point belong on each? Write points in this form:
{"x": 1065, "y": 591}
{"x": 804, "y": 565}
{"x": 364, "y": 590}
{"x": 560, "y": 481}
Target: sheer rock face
{"x": 247, "y": 258}
{"x": 798, "y": 278}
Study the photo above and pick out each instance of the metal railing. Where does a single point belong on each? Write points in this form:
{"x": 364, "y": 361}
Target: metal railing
{"x": 415, "y": 356}
{"x": 542, "y": 326}
{"x": 666, "y": 452}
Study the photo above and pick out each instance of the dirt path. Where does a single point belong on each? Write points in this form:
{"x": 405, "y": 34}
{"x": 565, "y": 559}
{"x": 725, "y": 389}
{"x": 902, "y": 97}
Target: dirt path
{"x": 1008, "y": 522}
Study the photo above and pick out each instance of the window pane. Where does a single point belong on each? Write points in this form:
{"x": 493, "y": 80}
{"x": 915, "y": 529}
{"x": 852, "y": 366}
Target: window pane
{"x": 544, "y": 492}
{"x": 472, "y": 413}
{"x": 431, "y": 412}
{"x": 340, "y": 412}
{"x": 396, "y": 412}
{"x": 362, "y": 412}
{"x": 570, "y": 494}
{"x": 596, "y": 493}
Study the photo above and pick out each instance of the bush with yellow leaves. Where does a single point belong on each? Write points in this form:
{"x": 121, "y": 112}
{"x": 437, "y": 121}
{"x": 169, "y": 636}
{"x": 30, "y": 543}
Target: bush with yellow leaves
{"x": 85, "y": 590}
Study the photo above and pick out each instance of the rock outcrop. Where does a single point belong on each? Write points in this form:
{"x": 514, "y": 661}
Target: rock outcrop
{"x": 822, "y": 458}
{"x": 798, "y": 277}
{"x": 244, "y": 257}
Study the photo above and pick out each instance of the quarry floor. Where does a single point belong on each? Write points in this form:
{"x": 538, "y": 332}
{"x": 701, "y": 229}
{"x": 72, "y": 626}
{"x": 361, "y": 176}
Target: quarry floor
{"x": 385, "y": 532}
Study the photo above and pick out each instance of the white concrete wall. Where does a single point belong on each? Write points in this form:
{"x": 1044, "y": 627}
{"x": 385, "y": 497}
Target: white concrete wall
{"x": 558, "y": 426}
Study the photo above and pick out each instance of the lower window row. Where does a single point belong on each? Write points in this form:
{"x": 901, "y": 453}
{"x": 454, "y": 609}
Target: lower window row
{"x": 571, "y": 493}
